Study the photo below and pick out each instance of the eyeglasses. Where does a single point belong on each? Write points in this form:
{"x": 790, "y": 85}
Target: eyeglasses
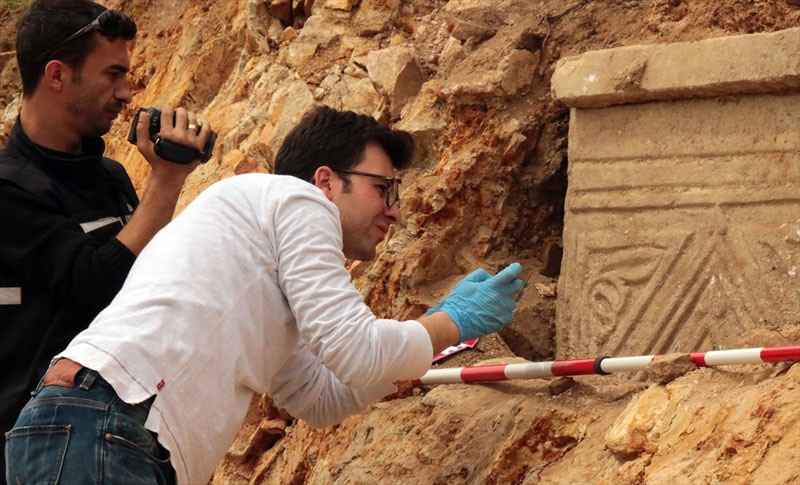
{"x": 110, "y": 22}
{"x": 391, "y": 191}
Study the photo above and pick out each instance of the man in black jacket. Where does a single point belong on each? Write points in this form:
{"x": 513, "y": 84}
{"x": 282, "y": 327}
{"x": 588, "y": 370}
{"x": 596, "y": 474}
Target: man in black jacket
{"x": 71, "y": 223}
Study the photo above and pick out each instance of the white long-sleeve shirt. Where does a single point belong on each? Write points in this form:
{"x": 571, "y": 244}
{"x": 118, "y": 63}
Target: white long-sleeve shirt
{"x": 246, "y": 291}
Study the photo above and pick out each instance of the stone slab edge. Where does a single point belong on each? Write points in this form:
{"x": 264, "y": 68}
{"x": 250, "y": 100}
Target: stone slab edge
{"x": 744, "y": 64}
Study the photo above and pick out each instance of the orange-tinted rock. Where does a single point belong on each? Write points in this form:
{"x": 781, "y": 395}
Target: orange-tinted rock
{"x": 487, "y": 187}
{"x": 669, "y": 367}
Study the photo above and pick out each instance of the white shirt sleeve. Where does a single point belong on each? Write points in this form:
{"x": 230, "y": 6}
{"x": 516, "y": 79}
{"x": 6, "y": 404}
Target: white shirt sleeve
{"x": 334, "y": 323}
{"x": 309, "y": 391}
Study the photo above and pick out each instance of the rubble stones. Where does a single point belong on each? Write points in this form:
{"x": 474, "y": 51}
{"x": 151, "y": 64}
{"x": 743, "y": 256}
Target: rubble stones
{"x": 342, "y": 4}
{"x": 669, "y": 367}
{"x": 560, "y": 385}
{"x": 723, "y": 428}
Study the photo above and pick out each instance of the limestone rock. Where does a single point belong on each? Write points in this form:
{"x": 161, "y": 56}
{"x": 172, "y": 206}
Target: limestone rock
{"x": 545, "y": 290}
{"x": 488, "y": 185}
{"x": 638, "y": 429}
{"x": 318, "y": 32}
{"x": 712, "y": 67}
{"x": 286, "y": 108}
{"x": 257, "y": 28}
{"x": 669, "y": 367}
{"x": 453, "y": 53}
{"x": 468, "y": 31}
{"x": 605, "y": 430}
{"x": 343, "y": 91}
{"x": 513, "y": 74}
{"x": 342, "y": 4}
{"x": 396, "y": 72}
{"x": 426, "y": 125}
{"x": 374, "y": 17}
{"x": 517, "y": 70}
{"x": 321, "y": 30}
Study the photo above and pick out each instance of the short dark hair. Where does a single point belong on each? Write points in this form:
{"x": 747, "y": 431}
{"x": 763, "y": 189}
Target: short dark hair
{"x": 337, "y": 139}
{"x": 46, "y": 24}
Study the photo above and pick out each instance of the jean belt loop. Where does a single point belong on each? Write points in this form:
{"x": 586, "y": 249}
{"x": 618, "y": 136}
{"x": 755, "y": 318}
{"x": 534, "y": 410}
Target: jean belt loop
{"x": 88, "y": 379}
{"x": 38, "y": 388}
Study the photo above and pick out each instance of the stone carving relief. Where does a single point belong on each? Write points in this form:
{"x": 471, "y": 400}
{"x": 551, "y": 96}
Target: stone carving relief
{"x": 683, "y": 289}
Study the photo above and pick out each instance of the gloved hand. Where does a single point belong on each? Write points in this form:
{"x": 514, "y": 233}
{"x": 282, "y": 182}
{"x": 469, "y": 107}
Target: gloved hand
{"x": 475, "y": 277}
{"x": 481, "y": 304}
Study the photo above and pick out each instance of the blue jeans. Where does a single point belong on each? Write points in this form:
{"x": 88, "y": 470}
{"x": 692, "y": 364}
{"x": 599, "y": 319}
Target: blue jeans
{"x": 84, "y": 434}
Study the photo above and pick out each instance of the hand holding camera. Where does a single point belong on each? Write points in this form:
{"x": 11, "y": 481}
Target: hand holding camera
{"x": 175, "y": 143}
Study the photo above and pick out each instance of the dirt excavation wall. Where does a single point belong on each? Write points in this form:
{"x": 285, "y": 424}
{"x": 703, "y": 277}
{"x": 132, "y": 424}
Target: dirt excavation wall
{"x": 681, "y": 233}
{"x": 682, "y": 227}
{"x": 664, "y": 173}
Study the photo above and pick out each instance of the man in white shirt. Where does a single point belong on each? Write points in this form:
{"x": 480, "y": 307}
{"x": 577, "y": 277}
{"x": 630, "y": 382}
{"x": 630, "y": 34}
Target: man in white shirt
{"x": 246, "y": 291}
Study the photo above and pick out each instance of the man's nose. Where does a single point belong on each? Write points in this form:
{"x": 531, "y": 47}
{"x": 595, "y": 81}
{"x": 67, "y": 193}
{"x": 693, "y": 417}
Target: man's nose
{"x": 123, "y": 93}
{"x": 393, "y": 214}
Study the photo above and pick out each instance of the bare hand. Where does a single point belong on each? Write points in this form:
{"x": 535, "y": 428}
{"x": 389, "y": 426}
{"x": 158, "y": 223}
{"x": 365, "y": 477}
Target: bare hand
{"x": 183, "y": 132}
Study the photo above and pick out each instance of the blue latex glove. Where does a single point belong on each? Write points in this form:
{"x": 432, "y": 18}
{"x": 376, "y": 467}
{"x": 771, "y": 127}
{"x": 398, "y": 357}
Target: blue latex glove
{"x": 475, "y": 277}
{"x": 481, "y": 304}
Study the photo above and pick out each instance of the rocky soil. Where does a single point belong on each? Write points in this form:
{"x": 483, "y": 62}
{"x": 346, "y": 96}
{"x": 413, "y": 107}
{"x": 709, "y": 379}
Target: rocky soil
{"x": 471, "y": 80}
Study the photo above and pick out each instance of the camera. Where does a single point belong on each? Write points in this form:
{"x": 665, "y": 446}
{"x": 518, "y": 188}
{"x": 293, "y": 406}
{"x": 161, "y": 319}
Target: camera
{"x": 170, "y": 150}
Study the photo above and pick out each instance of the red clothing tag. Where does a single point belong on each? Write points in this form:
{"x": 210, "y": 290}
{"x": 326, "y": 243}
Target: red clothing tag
{"x": 160, "y": 384}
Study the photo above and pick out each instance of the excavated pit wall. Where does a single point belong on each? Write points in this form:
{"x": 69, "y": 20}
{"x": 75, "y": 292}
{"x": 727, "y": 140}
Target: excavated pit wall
{"x": 491, "y": 169}
{"x": 681, "y": 231}
{"x": 682, "y": 220}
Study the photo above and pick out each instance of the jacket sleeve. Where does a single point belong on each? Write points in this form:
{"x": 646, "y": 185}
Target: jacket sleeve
{"x": 338, "y": 328}
{"x": 39, "y": 245}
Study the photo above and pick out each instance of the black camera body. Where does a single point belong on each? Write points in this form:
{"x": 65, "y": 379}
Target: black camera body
{"x": 169, "y": 150}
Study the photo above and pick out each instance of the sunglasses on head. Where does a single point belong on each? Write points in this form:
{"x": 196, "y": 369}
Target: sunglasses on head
{"x": 110, "y": 22}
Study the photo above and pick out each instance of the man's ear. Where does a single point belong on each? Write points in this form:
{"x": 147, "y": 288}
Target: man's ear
{"x": 56, "y": 75}
{"x": 324, "y": 179}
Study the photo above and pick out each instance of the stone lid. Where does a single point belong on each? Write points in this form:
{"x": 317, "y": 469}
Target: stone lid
{"x": 744, "y": 64}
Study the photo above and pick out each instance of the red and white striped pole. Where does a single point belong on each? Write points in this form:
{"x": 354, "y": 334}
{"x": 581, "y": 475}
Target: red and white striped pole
{"x": 600, "y": 365}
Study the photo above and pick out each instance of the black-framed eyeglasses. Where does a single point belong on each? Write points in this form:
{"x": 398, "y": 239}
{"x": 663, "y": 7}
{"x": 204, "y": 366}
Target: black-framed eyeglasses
{"x": 391, "y": 191}
{"x": 110, "y": 22}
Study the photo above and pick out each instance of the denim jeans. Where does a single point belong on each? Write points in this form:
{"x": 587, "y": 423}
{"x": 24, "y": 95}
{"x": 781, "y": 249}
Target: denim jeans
{"x": 84, "y": 434}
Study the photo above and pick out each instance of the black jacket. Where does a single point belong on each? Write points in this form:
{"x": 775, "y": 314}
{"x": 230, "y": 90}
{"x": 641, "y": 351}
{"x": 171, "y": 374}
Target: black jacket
{"x": 60, "y": 263}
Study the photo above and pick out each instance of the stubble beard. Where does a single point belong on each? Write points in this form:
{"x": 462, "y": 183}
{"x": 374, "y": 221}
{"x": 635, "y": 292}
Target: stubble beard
{"x": 82, "y": 109}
